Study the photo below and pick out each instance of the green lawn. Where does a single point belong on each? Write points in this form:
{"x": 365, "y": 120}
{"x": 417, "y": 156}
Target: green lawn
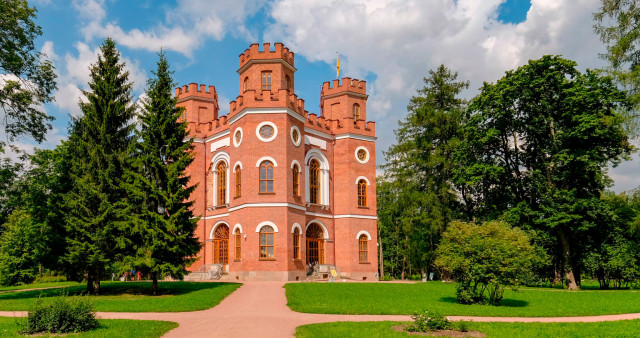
{"x": 393, "y": 298}
{"x": 132, "y": 296}
{"x": 108, "y": 328}
{"x": 38, "y": 285}
{"x": 623, "y": 328}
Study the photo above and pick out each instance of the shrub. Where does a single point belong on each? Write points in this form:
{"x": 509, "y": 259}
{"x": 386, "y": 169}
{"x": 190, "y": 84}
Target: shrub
{"x": 50, "y": 279}
{"x": 463, "y": 326}
{"x": 63, "y": 315}
{"x": 428, "y": 321}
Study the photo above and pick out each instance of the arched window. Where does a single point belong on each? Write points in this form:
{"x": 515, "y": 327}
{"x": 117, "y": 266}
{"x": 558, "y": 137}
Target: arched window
{"x": 314, "y": 182}
{"x": 221, "y": 172}
{"x": 267, "y": 243}
{"x": 238, "y": 236}
{"x": 221, "y": 245}
{"x": 245, "y": 84}
{"x": 287, "y": 82}
{"x": 266, "y": 177}
{"x": 296, "y": 180}
{"x": 266, "y": 80}
{"x": 362, "y": 193}
{"x": 296, "y": 243}
{"x": 356, "y": 112}
{"x": 238, "y": 181}
{"x": 363, "y": 249}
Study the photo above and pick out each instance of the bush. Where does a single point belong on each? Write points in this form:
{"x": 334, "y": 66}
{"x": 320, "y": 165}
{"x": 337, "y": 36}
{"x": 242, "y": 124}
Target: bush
{"x": 63, "y": 315}
{"x": 428, "y": 321}
{"x": 50, "y": 279}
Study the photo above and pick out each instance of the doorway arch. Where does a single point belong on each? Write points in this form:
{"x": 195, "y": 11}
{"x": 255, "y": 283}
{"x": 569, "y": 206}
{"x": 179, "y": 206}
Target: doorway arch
{"x": 315, "y": 244}
{"x": 221, "y": 244}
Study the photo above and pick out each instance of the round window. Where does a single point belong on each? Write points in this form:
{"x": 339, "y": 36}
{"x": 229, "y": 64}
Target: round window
{"x": 238, "y": 136}
{"x": 296, "y": 136}
{"x": 266, "y": 131}
{"x": 362, "y": 154}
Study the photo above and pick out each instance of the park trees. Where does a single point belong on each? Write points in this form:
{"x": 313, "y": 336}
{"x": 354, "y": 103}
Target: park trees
{"x": 484, "y": 258}
{"x": 536, "y": 151}
{"x": 162, "y": 223}
{"x": 27, "y": 79}
{"x": 100, "y": 147}
{"x": 419, "y": 168}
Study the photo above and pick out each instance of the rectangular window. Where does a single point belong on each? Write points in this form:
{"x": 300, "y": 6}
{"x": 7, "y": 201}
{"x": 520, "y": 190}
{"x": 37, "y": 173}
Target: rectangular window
{"x": 266, "y": 80}
{"x": 238, "y": 245}
{"x": 267, "y": 246}
{"x": 296, "y": 245}
{"x": 363, "y": 249}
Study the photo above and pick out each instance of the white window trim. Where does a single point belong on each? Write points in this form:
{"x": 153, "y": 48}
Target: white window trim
{"x": 366, "y": 151}
{"x": 275, "y": 131}
{"x": 266, "y": 158}
{"x": 220, "y": 156}
{"x": 297, "y": 144}
{"x": 241, "y": 137}
{"x": 362, "y": 232}
{"x": 362, "y": 178}
{"x": 237, "y": 226}
{"x": 239, "y": 164}
{"x": 213, "y": 230}
{"x": 324, "y": 228}
{"x": 324, "y": 175}
{"x": 275, "y": 228}
{"x": 294, "y": 162}
{"x": 296, "y": 226}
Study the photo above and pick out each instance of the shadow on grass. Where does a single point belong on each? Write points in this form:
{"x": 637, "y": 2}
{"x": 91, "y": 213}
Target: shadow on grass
{"x": 117, "y": 289}
{"x": 503, "y": 302}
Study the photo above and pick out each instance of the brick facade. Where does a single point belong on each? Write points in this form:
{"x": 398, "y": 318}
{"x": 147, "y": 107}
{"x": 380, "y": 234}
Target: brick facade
{"x": 343, "y": 147}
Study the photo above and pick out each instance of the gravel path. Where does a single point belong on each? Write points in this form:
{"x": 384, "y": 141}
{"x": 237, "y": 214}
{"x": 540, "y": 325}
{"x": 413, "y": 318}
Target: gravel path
{"x": 259, "y": 309}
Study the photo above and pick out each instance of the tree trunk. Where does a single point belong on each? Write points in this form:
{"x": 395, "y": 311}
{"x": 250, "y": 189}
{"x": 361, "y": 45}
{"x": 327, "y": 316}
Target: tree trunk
{"x": 572, "y": 283}
{"x": 90, "y": 288}
{"x": 154, "y": 288}
{"x": 380, "y": 262}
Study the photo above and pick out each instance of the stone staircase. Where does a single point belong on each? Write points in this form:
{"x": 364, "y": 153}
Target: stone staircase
{"x": 323, "y": 272}
{"x": 207, "y": 272}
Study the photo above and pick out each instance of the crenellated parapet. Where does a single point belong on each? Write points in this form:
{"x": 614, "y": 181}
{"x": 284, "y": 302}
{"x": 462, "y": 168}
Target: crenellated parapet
{"x": 193, "y": 90}
{"x": 268, "y": 99}
{"x": 254, "y": 53}
{"x": 348, "y": 85}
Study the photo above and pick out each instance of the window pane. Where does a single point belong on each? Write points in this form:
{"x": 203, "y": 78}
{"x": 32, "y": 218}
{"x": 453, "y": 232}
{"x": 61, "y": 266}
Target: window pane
{"x": 270, "y": 255}
{"x": 263, "y": 172}
{"x": 263, "y": 186}
{"x": 270, "y": 239}
{"x": 263, "y": 239}
{"x": 269, "y": 186}
{"x": 270, "y": 173}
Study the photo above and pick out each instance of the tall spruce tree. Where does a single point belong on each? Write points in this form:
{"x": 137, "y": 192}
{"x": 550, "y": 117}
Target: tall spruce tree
{"x": 99, "y": 148}
{"x": 163, "y": 225}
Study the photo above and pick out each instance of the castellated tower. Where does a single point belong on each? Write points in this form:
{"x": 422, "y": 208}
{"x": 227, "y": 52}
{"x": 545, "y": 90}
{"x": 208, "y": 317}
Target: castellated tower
{"x": 279, "y": 189}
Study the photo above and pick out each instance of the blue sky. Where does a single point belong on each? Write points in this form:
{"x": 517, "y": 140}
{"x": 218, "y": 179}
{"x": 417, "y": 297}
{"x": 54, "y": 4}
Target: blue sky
{"x": 390, "y": 43}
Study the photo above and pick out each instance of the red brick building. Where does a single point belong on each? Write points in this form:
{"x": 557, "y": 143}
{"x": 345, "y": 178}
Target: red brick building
{"x": 279, "y": 187}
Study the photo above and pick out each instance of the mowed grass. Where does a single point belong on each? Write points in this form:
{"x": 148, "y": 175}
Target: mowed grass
{"x": 131, "y": 296}
{"x": 37, "y": 286}
{"x": 395, "y": 298}
{"x": 623, "y": 328}
{"x": 108, "y": 328}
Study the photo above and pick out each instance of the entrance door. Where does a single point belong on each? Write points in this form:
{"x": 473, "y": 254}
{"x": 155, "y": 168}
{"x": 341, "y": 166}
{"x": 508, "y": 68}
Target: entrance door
{"x": 315, "y": 244}
{"x": 221, "y": 245}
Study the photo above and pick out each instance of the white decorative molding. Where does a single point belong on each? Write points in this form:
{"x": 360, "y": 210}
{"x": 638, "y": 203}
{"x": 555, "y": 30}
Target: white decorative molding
{"x": 214, "y": 228}
{"x": 366, "y": 158}
{"x": 194, "y": 140}
{"x": 217, "y": 136}
{"x": 238, "y": 164}
{"x": 216, "y": 216}
{"x": 356, "y": 216}
{"x": 363, "y": 233}
{"x": 362, "y": 178}
{"x": 296, "y": 225}
{"x": 356, "y": 137}
{"x": 314, "y": 141}
{"x": 219, "y": 144}
{"x": 237, "y": 226}
{"x": 297, "y": 144}
{"x": 275, "y": 228}
{"x": 266, "y": 158}
{"x": 263, "y": 205}
{"x": 267, "y": 123}
{"x": 294, "y": 162}
{"x": 324, "y": 228}
{"x": 248, "y": 111}
{"x": 220, "y": 156}
{"x": 308, "y": 130}
{"x": 324, "y": 175}
{"x": 314, "y": 214}
{"x": 238, "y": 130}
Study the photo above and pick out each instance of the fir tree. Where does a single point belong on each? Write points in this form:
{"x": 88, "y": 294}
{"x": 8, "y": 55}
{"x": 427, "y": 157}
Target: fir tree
{"x": 99, "y": 148}
{"x": 163, "y": 225}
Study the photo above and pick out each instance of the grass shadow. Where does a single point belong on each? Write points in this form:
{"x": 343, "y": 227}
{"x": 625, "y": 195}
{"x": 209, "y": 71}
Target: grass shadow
{"x": 117, "y": 289}
{"x": 503, "y": 302}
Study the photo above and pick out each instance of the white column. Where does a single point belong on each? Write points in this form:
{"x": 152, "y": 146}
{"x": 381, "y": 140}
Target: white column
{"x": 325, "y": 187}
{"x": 306, "y": 183}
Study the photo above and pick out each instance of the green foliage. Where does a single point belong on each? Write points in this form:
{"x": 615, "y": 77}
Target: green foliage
{"x": 415, "y": 198}
{"x": 427, "y": 321}
{"x": 162, "y": 224}
{"x": 484, "y": 258}
{"x": 99, "y": 153}
{"x": 536, "y": 151}
{"x": 28, "y": 79}
{"x": 63, "y": 315}
{"x": 49, "y": 279}
{"x": 21, "y": 249}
